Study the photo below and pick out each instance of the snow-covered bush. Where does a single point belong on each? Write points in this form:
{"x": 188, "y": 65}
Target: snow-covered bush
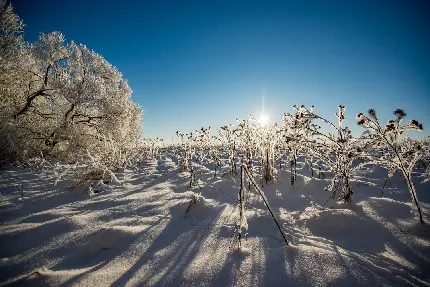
{"x": 339, "y": 150}
{"x": 253, "y": 137}
{"x": 195, "y": 146}
{"x": 267, "y": 142}
{"x": 424, "y": 162}
{"x": 246, "y": 132}
{"x": 389, "y": 146}
{"x": 185, "y": 150}
{"x": 295, "y": 136}
{"x": 228, "y": 138}
{"x": 215, "y": 153}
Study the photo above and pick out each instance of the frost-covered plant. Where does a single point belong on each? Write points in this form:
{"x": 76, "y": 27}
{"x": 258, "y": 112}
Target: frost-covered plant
{"x": 195, "y": 199}
{"x": 338, "y": 150}
{"x": 395, "y": 151}
{"x": 267, "y": 144}
{"x": 248, "y": 134}
{"x": 215, "y": 153}
{"x": 246, "y": 131}
{"x": 153, "y": 147}
{"x": 194, "y": 145}
{"x": 227, "y": 136}
{"x": 295, "y": 136}
{"x": 200, "y": 149}
{"x": 185, "y": 151}
{"x": 95, "y": 173}
{"x": 425, "y": 160}
{"x": 253, "y": 137}
{"x": 202, "y": 141}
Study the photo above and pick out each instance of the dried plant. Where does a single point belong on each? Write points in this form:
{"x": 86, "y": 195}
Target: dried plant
{"x": 389, "y": 146}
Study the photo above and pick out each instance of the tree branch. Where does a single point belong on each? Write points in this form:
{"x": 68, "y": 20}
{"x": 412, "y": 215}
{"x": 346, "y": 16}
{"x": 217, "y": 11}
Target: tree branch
{"x": 28, "y": 104}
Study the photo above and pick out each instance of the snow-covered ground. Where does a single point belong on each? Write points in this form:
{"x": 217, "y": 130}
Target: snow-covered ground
{"x": 137, "y": 231}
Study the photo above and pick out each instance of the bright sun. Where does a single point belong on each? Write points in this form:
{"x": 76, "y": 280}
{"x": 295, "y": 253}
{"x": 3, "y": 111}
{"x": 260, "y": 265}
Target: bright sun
{"x": 263, "y": 119}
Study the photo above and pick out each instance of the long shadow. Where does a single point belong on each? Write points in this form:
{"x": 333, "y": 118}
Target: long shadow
{"x": 54, "y": 247}
{"x": 416, "y": 257}
{"x": 232, "y": 264}
{"x": 373, "y": 241}
{"x": 179, "y": 245}
{"x": 100, "y": 260}
{"x": 21, "y": 241}
{"x": 25, "y": 241}
{"x": 352, "y": 277}
{"x": 40, "y": 204}
{"x": 62, "y": 198}
{"x": 39, "y": 200}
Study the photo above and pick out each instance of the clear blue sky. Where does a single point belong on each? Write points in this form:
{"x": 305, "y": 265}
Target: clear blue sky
{"x": 200, "y": 63}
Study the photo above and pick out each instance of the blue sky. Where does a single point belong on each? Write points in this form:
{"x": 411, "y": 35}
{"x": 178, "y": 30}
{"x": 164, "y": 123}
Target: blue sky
{"x": 200, "y": 63}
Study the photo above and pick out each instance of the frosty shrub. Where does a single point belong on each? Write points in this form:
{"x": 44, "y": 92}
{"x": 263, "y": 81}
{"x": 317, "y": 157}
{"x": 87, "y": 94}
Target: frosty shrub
{"x": 185, "y": 150}
{"x": 202, "y": 140}
{"x": 247, "y": 133}
{"x": 295, "y": 136}
{"x": 194, "y": 146}
{"x": 215, "y": 153}
{"x": 228, "y": 138}
{"x": 201, "y": 143}
{"x": 388, "y": 146}
{"x": 318, "y": 142}
{"x": 425, "y": 160}
{"x": 151, "y": 147}
{"x": 195, "y": 199}
{"x": 339, "y": 151}
{"x": 266, "y": 142}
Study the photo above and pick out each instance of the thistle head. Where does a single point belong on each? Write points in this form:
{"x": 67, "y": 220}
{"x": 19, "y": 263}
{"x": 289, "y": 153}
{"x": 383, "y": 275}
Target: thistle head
{"x": 399, "y": 113}
{"x": 361, "y": 121}
{"x": 372, "y": 114}
{"x": 414, "y": 125}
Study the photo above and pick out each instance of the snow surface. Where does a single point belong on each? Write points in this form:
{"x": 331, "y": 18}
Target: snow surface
{"x": 136, "y": 231}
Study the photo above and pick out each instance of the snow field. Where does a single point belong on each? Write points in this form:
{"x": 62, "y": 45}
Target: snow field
{"x": 135, "y": 232}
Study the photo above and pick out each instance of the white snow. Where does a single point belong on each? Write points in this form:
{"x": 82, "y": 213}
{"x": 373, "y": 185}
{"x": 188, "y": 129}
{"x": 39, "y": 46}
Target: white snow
{"x": 134, "y": 232}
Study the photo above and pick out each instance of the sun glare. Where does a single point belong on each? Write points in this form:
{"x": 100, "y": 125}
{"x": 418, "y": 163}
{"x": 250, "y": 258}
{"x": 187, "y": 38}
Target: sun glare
{"x": 263, "y": 119}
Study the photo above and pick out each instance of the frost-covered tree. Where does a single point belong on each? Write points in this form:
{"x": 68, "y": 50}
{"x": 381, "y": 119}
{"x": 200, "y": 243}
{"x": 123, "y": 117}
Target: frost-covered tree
{"x": 63, "y": 99}
{"x": 13, "y": 56}
{"x": 15, "y": 60}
